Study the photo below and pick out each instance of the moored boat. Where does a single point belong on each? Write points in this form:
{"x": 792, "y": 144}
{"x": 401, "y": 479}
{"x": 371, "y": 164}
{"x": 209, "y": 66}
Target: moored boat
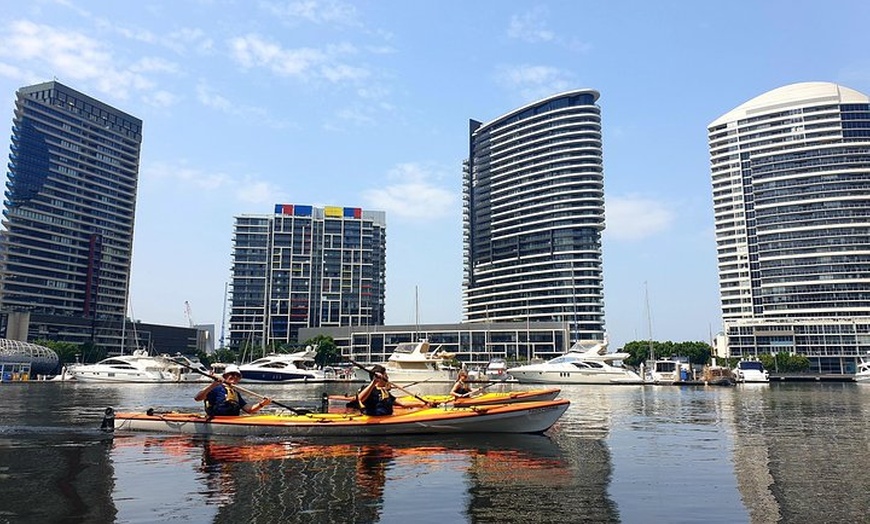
{"x": 522, "y": 417}
{"x": 582, "y": 364}
{"x": 280, "y": 368}
{"x": 863, "y": 373}
{"x": 750, "y": 371}
{"x": 415, "y": 361}
{"x": 140, "y": 367}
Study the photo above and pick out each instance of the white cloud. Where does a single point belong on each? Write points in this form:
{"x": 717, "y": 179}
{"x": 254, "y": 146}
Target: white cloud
{"x": 531, "y": 26}
{"x": 315, "y": 11}
{"x": 183, "y": 178}
{"x": 74, "y": 56}
{"x": 414, "y": 195}
{"x": 534, "y": 82}
{"x": 304, "y": 63}
{"x": 634, "y": 218}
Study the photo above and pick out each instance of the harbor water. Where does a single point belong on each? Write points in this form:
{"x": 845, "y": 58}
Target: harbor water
{"x": 765, "y": 453}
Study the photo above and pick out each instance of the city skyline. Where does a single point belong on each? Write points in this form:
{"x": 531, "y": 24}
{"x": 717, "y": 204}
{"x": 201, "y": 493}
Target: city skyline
{"x": 367, "y": 104}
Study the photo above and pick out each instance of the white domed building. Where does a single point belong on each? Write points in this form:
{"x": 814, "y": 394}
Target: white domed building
{"x": 23, "y": 357}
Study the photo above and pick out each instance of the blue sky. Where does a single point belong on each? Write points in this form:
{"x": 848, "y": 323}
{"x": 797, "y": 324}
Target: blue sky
{"x": 251, "y": 103}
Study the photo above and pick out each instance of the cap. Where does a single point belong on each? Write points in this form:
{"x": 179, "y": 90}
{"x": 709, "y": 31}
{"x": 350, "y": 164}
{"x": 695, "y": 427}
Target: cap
{"x": 232, "y": 368}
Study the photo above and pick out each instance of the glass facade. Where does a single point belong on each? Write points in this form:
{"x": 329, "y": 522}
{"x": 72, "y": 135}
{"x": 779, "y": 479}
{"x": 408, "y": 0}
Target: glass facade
{"x": 791, "y": 200}
{"x": 533, "y": 190}
{"x": 70, "y": 199}
{"x": 306, "y": 267}
{"x": 474, "y": 344}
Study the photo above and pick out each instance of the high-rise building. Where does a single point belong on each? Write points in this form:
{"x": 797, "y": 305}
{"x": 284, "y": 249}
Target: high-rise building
{"x": 791, "y": 201}
{"x": 304, "y": 267}
{"x": 533, "y": 190}
{"x": 67, "y": 237}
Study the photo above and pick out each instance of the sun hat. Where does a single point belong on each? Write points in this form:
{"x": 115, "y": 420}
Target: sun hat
{"x": 232, "y": 368}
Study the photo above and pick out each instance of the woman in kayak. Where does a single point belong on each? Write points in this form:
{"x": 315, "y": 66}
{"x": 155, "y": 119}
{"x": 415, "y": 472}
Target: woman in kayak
{"x": 461, "y": 389}
{"x": 375, "y": 399}
{"x": 222, "y": 399}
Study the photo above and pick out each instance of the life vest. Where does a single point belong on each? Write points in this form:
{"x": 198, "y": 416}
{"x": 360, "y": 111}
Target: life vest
{"x": 379, "y": 402}
{"x": 223, "y": 401}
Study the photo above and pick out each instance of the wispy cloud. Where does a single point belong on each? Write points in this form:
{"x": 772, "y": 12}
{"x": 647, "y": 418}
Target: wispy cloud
{"x": 304, "y": 63}
{"x": 209, "y": 97}
{"x": 314, "y": 11}
{"x": 74, "y": 56}
{"x": 246, "y": 188}
{"x": 413, "y": 194}
{"x": 633, "y": 217}
{"x": 531, "y": 27}
{"x": 532, "y": 82}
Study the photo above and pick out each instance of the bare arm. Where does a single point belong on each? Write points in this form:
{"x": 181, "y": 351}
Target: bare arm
{"x": 206, "y": 390}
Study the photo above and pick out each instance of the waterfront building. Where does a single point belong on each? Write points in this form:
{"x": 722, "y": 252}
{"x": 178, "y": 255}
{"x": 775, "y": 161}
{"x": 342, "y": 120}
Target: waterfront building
{"x": 68, "y": 213}
{"x": 474, "y": 344}
{"x": 302, "y": 267}
{"x": 790, "y": 176}
{"x": 533, "y": 192}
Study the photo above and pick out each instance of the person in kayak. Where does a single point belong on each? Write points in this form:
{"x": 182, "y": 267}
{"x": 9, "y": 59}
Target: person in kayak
{"x": 461, "y": 389}
{"x": 375, "y": 399}
{"x": 222, "y": 399}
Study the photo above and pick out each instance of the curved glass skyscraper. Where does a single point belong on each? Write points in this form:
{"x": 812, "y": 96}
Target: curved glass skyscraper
{"x": 533, "y": 193}
{"x": 791, "y": 199}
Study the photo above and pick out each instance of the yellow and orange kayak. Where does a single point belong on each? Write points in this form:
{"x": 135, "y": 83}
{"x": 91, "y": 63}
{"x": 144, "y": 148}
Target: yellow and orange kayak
{"x": 480, "y": 400}
{"x": 518, "y": 417}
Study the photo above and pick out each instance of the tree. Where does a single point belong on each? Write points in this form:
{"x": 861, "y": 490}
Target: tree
{"x": 696, "y": 352}
{"x": 66, "y": 351}
{"x": 327, "y": 351}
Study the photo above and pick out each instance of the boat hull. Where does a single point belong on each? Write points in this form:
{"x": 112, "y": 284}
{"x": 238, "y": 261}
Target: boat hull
{"x": 141, "y": 378}
{"x": 526, "y": 417}
{"x": 572, "y": 377}
{"x": 532, "y": 395}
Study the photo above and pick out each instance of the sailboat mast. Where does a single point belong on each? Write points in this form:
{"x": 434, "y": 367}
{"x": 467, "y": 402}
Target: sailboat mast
{"x": 649, "y": 322}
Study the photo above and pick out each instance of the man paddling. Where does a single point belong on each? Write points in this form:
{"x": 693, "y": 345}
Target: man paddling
{"x": 375, "y": 399}
{"x": 222, "y": 399}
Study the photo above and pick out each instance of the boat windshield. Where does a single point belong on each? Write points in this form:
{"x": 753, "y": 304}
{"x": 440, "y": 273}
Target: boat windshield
{"x": 751, "y": 365}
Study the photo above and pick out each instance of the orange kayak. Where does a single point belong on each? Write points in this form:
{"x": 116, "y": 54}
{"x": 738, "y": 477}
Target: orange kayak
{"x": 480, "y": 400}
{"x": 517, "y": 417}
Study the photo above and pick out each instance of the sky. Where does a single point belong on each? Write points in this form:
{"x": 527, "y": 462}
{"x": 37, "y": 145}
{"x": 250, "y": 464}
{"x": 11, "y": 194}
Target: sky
{"x": 251, "y": 103}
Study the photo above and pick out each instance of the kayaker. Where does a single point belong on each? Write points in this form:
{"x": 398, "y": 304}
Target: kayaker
{"x": 222, "y": 399}
{"x": 375, "y": 399}
{"x": 461, "y": 389}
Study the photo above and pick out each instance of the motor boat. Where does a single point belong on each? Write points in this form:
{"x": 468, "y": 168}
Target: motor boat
{"x": 750, "y": 371}
{"x": 139, "y": 366}
{"x": 584, "y": 363}
{"x": 666, "y": 371}
{"x": 863, "y": 373}
{"x": 284, "y": 367}
{"x": 415, "y": 362}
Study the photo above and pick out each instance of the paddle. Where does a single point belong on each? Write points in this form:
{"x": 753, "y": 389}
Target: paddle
{"x": 400, "y": 388}
{"x": 242, "y": 389}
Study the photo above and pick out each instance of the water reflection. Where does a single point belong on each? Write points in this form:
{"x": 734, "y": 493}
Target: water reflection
{"x": 502, "y": 478}
{"x": 51, "y": 475}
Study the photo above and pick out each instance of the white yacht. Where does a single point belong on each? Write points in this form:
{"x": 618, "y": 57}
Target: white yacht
{"x": 286, "y": 367}
{"x": 863, "y": 373}
{"x": 582, "y": 364}
{"x": 414, "y": 362}
{"x": 140, "y": 367}
{"x": 750, "y": 371}
{"x": 666, "y": 371}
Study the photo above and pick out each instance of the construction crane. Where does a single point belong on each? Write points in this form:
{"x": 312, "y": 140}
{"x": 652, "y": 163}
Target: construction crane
{"x": 188, "y": 314}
